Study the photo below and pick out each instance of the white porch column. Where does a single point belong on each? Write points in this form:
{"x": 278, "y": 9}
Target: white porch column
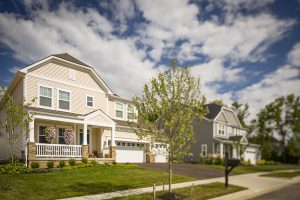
{"x": 84, "y": 134}
{"x": 222, "y": 150}
{"x": 113, "y": 144}
{"x": 31, "y": 131}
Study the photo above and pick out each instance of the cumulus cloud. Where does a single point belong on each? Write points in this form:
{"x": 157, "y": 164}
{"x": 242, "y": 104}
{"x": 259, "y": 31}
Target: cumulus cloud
{"x": 294, "y": 55}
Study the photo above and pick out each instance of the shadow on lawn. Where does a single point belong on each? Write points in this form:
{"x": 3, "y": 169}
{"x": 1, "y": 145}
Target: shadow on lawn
{"x": 97, "y": 188}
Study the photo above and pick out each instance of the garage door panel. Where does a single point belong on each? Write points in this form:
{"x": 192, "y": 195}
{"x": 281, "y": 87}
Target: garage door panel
{"x": 130, "y": 154}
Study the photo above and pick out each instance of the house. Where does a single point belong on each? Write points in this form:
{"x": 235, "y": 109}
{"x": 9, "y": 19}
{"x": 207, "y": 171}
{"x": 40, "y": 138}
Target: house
{"x": 70, "y": 95}
{"x": 220, "y": 132}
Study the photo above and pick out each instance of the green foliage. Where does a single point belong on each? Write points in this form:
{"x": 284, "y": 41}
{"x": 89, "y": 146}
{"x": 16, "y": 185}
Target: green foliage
{"x": 280, "y": 117}
{"x": 218, "y": 160}
{"x": 62, "y": 164}
{"x": 170, "y": 103}
{"x": 17, "y": 118}
{"x": 218, "y": 102}
{"x": 72, "y": 161}
{"x": 94, "y": 162}
{"x": 50, "y": 164}
{"x": 35, "y": 165}
{"x": 84, "y": 160}
{"x": 107, "y": 155}
{"x": 266, "y": 162}
{"x": 13, "y": 169}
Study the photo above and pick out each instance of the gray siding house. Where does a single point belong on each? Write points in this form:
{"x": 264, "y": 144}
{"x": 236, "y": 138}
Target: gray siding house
{"x": 220, "y": 132}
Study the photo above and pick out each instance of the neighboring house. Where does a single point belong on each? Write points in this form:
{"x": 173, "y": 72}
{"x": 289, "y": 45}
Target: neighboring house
{"x": 71, "y": 95}
{"x": 220, "y": 132}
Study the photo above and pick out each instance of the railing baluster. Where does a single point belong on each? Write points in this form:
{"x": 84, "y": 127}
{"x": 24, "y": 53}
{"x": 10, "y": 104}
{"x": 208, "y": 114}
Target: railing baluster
{"x": 58, "y": 150}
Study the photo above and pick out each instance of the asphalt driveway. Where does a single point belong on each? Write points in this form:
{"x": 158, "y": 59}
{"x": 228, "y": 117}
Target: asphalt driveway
{"x": 192, "y": 170}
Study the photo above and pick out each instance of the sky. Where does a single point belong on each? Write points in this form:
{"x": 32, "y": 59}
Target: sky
{"x": 242, "y": 50}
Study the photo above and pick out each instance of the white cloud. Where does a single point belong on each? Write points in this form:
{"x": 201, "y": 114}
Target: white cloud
{"x": 13, "y": 69}
{"x": 294, "y": 55}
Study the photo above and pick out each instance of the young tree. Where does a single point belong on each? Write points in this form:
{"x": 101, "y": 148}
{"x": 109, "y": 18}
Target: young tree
{"x": 166, "y": 110}
{"x": 242, "y": 111}
{"x": 17, "y": 119}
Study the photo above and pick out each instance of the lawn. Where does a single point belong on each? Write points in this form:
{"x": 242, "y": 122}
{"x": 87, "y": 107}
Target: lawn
{"x": 258, "y": 168}
{"x": 200, "y": 192}
{"x": 79, "y": 182}
{"x": 283, "y": 174}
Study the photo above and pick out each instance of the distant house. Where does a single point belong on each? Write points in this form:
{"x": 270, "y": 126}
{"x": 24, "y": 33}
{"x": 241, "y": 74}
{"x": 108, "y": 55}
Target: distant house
{"x": 220, "y": 132}
{"x": 71, "y": 95}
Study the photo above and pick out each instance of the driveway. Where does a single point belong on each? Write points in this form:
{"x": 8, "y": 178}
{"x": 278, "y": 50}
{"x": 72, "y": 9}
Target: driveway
{"x": 191, "y": 170}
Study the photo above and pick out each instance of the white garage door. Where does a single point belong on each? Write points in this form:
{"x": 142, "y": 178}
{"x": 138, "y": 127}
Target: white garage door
{"x": 250, "y": 154}
{"x": 160, "y": 153}
{"x": 131, "y": 154}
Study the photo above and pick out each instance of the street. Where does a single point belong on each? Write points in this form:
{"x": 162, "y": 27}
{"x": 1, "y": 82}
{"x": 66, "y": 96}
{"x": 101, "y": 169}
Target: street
{"x": 291, "y": 192}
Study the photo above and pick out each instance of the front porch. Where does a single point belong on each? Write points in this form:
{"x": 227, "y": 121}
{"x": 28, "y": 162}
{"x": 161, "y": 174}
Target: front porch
{"x": 91, "y": 133}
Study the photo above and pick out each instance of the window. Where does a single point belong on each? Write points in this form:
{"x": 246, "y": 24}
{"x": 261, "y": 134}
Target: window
{"x": 119, "y": 110}
{"x": 81, "y": 136}
{"x": 123, "y": 144}
{"x": 229, "y": 130}
{"x": 45, "y": 96}
{"x": 130, "y": 112}
{"x": 204, "y": 150}
{"x": 64, "y": 100}
{"x": 133, "y": 144}
{"x": 128, "y": 144}
{"x": 89, "y": 101}
{"x": 71, "y": 74}
{"x": 42, "y": 137}
{"x": 61, "y": 138}
{"x": 118, "y": 143}
{"x": 221, "y": 130}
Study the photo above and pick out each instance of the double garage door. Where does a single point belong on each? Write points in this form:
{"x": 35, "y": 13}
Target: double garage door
{"x": 133, "y": 153}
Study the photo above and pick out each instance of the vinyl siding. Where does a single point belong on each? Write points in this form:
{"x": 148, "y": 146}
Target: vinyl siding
{"x": 78, "y": 95}
{"x": 221, "y": 118}
{"x": 231, "y": 118}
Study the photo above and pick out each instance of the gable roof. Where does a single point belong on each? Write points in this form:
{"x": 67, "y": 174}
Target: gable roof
{"x": 213, "y": 110}
{"x": 70, "y": 58}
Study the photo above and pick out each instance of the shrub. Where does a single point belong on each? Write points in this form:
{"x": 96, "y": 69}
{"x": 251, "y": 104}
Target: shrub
{"x": 84, "y": 160}
{"x": 218, "y": 160}
{"x": 72, "y": 162}
{"x": 62, "y": 163}
{"x": 94, "y": 162}
{"x": 13, "y": 169}
{"x": 35, "y": 165}
{"x": 50, "y": 164}
{"x": 114, "y": 163}
{"x": 107, "y": 155}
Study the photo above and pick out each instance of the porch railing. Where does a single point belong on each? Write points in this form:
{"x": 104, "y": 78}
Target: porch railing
{"x": 58, "y": 150}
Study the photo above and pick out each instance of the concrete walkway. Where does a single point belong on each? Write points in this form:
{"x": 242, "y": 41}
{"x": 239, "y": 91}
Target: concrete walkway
{"x": 256, "y": 185}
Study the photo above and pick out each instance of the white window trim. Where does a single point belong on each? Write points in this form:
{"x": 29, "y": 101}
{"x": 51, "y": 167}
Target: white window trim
{"x": 204, "y": 145}
{"x": 218, "y": 128}
{"x": 63, "y": 90}
{"x": 115, "y": 109}
{"x": 38, "y": 97}
{"x": 74, "y": 73}
{"x": 86, "y": 101}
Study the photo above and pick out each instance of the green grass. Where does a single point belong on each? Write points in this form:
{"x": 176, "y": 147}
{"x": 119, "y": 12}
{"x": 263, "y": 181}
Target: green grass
{"x": 258, "y": 168}
{"x": 79, "y": 182}
{"x": 283, "y": 174}
{"x": 200, "y": 192}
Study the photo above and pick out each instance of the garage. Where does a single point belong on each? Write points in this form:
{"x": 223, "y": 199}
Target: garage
{"x": 160, "y": 153}
{"x": 250, "y": 154}
{"x": 130, "y": 152}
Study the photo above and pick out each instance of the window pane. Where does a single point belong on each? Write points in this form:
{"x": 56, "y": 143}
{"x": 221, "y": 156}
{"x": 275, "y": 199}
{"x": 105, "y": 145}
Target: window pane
{"x": 90, "y": 101}
{"x": 89, "y": 98}
{"x": 45, "y": 101}
{"x": 119, "y": 106}
{"x": 64, "y": 95}
{"x": 44, "y": 91}
{"x": 64, "y": 105}
{"x": 119, "y": 114}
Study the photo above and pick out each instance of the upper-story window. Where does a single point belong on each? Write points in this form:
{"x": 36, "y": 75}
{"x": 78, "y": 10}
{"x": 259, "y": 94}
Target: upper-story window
{"x": 90, "y": 101}
{"x": 119, "y": 110}
{"x": 64, "y": 100}
{"x": 45, "y": 96}
{"x": 71, "y": 74}
{"x": 130, "y": 112}
{"x": 229, "y": 131}
{"x": 221, "y": 129}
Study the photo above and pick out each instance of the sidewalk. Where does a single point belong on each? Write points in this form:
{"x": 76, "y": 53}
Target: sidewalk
{"x": 256, "y": 185}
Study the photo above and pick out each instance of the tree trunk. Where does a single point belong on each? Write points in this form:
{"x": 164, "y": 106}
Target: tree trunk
{"x": 170, "y": 176}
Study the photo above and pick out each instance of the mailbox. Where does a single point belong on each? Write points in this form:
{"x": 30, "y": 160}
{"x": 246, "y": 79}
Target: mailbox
{"x": 233, "y": 162}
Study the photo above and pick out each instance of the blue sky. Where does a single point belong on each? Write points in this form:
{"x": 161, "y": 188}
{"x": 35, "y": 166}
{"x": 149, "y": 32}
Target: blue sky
{"x": 242, "y": 50}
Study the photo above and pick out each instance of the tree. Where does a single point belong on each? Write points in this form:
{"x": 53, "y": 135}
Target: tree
{"x": 17, "y": 118}
{"x": 278, "y": 118}
{"x": 218, "y": 102}
{"x": 166, "y": 110}
{"x": 242, "y": 111}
